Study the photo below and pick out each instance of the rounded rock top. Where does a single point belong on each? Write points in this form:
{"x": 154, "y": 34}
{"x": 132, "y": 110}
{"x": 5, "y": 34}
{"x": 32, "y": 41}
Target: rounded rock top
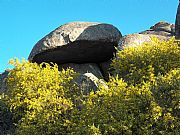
{"x": 77, "y": 42}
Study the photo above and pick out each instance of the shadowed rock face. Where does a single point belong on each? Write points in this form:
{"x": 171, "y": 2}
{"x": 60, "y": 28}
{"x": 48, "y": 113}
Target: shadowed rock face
{"x": 177, "y": 23}
{"x": 3, "y": 78}
{"x": 77, "y": 42}
{"x": 78, "y": 52}
{"x": 83, "y": 68}
{"x": 90, "y": 76}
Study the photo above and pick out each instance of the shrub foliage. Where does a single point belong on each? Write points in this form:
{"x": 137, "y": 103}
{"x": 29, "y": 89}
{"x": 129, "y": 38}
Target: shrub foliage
{"x": 39, "y": 98}
{"x": 122, "y": 109}
{"x": 141, "y": 63}
{"x": 142, "y": 99}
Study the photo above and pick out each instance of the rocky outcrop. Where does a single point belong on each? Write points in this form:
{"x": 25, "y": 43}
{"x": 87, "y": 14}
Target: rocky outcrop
{"x": 177, "y": 23}
{"x": 133, "y": 40}
{"x": 79, "y": 45}
{"x": 136, "y": 39}
{"x": 77, "y": 42}
{"x": 161, "y": 28}
{"x": 89, "y": 47}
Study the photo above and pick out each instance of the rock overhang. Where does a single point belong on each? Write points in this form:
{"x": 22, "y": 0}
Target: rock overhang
{"x": 77, "y": 42}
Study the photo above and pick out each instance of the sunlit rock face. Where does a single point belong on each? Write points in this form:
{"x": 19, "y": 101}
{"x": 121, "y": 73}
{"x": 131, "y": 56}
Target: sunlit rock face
{"x": 162, "y": 29}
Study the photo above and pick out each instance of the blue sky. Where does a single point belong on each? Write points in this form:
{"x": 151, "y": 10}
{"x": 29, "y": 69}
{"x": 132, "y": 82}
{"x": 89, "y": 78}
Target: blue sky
{"x": 24, "y": 22}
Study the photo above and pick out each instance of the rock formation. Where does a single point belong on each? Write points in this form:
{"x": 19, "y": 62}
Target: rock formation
{"x": 81, "y": 46}
{"x": 177, "y": 23}
{"x": 161, "y": 30}
{"x": 77, "y": 42}
{"x": 88, "y": 48}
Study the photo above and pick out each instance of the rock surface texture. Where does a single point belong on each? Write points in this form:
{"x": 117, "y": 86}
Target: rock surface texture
{"x": 81, "y": 46}
{"x": 83, "y": 68}
{"x": 90, "y": 77}
{"x": 177, "y": 23}
{"x": 3, "y": 77}
{"x": 133, "y": 40}
{"x": 161, "y": 28}
{"x": 77, "y": 42}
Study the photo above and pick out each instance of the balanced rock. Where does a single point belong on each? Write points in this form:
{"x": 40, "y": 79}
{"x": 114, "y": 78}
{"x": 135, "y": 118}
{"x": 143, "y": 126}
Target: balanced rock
{"x": 161, "y": 28}
{"x": 77, "y": 42}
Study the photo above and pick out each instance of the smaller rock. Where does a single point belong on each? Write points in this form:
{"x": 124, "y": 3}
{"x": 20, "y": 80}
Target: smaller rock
{"x": 161, "y": 28}
{"x": 83, "y": 68}
{"x": 106, "y": 69}
{"x": 3, "y": 78}
{"x": 90, "y": 78}
{"x": 134, "y": 40}
{"x": 88, "y": 82}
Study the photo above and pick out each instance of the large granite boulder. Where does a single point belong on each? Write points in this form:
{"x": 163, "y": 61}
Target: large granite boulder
{"x": 161, "y": 28}
{"x": 77, "y": 42}
{"x": 177, "y": 23}
{"x": 90, "y": 77}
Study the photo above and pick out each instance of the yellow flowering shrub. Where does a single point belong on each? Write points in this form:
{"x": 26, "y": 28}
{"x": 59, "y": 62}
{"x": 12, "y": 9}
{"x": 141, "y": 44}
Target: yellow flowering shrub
{"x": 142, "y": 99}
{"x": 141, "y": 63}
{"x": 147, "y": 102}
{"x": 126, "y": 109}
{"x": 166, "y": 91}
{"x": 39, "y": 98}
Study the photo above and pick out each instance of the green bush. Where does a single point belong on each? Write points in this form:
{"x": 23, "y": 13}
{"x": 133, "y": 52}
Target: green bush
{"x": 142, "y": 63}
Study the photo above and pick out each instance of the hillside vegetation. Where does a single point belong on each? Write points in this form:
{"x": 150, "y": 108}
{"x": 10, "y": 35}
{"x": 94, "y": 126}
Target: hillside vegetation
{"x": 142, "y": 96}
